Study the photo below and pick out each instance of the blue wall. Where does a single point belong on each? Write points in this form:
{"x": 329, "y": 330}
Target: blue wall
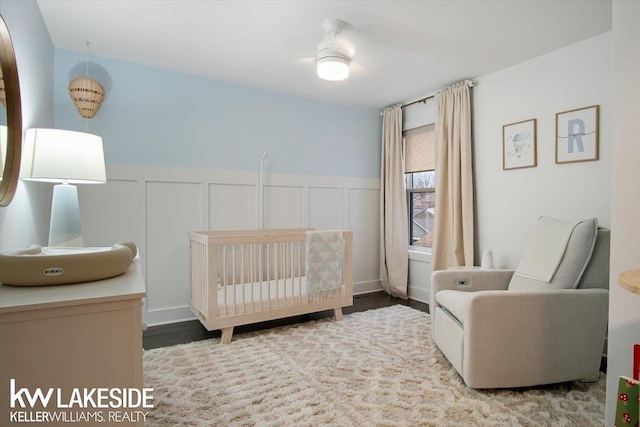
{"x": 159, "y": 117}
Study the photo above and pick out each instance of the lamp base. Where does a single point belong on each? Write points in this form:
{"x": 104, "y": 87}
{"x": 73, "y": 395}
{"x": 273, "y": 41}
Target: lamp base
{"x": 65, "y": 228}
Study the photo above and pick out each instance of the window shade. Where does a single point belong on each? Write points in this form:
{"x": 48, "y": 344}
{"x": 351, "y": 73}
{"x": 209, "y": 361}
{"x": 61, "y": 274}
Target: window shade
{"x": 419, "y": 149}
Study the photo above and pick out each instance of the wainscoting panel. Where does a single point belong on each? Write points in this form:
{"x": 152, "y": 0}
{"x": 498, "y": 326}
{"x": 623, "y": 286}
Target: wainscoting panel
{"x": 173, "y": 209}
{"x": 364, "y": 220}
{"x": 111, "y": 213}
{"x": 232, "y": 207}
{"x": 283, "y": 206}
{"x": 157, "y": 206}
{"x": 326, "y": 208}
{"x": 419, "y": 276}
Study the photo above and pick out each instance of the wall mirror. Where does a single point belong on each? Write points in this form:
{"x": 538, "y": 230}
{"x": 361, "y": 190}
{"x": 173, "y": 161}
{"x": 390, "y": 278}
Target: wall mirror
{"x": 10, "y": 118}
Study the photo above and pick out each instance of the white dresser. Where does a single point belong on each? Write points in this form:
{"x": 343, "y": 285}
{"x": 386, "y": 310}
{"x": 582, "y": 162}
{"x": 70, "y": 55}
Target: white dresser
{"x": 70, "y": 337}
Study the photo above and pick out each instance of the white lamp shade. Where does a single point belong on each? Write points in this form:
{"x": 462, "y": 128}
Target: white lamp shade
{"x": 55, "y": 155}
{"x": 333, "y": 68}
{"x": 332, "y": 61}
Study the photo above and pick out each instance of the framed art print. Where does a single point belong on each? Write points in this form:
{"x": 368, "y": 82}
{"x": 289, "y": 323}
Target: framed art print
{"x": 577, "y": 135}
{"x": 519, "y": 145}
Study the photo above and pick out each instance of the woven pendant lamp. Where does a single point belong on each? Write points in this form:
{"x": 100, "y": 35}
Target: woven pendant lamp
{"x": 87, "y": 95}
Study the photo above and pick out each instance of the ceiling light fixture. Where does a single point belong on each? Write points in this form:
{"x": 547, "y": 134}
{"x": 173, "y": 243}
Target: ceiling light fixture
{"x": 332, "y": 61}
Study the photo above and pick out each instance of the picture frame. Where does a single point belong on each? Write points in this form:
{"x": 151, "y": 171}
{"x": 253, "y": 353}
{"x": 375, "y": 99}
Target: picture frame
{"x": 519, "y": 147}
{"x": 577, "y": 135}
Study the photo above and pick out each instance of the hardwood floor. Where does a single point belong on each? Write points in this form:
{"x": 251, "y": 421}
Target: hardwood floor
{"x": 185, "y": 332}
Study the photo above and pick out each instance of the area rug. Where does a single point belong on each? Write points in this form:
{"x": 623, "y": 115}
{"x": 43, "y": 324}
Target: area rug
{"x": 374, "y": 368}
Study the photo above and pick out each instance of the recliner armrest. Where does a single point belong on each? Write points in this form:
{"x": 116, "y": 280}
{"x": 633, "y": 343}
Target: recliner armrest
{"x": 468, "y": 280}
{"x": 475, "y": 279}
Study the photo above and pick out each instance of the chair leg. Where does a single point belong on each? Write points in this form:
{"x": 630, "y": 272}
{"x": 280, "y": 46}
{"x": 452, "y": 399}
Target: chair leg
{"x": 227, "y": 333}
{"x": 337, "y": 313}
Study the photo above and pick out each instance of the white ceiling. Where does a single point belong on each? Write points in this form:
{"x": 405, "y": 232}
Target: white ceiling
{"x": 402, "y": 49}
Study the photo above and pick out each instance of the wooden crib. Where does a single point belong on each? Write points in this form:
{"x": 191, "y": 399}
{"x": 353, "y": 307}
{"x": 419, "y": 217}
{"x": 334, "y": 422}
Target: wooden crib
{"x": 249, "y": 276}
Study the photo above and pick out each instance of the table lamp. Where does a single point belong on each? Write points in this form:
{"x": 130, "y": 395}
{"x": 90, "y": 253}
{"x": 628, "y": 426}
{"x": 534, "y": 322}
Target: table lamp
{"x": 66, "y": 158}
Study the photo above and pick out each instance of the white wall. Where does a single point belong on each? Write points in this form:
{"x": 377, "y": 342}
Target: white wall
{"x": 509, "y": 202}
{"x": 419, "y": 114}
{"x": 157, "y": 206}
{"x": 624, "y": 307}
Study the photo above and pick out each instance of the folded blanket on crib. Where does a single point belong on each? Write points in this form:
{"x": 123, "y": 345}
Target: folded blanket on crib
{"x": 325, "y": 250}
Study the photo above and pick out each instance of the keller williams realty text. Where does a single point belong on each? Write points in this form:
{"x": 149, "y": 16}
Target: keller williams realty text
{"x": 77, "y": 417}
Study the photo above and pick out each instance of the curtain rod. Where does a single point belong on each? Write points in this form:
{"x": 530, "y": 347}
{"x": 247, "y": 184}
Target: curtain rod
{"x": 469, "y": 83}
{"x": 423, "y": 99}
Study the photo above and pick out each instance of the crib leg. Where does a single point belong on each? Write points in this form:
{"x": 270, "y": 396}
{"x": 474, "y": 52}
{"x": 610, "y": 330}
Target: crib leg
{"x": 227, "y": 333}
{"x": 337, "y": 312}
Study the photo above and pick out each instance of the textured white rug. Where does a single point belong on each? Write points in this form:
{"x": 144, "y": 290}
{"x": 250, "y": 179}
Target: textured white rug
{"x": 375, "y": 368}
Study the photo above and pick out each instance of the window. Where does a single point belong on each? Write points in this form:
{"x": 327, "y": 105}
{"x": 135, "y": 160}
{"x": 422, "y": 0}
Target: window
{"x": 420, "y": 179}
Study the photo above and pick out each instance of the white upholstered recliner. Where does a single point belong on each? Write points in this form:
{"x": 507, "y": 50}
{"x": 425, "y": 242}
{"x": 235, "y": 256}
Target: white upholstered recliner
{"x": 539, "y": 324}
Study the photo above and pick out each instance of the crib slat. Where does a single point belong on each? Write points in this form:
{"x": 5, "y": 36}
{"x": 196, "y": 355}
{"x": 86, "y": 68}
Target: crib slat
{"x": 291, "y": 272}
{"x": 251, "y": 272}
{"x": 261, "y": 273}
{"x": 268, "y": 278}
{"x": 279, "y": 246}
{"x": 286, "y": 272}
{"x": 233, "y": 277}
{"x": 244, "y": 307}
{"x": 224, "y": 280}
{"x": 276, "y": 271}
{"x": 201, "y": 277}
{"x": 299, "y": 272}
{"x": 286, "y": 275}
{"x": 282, "y": 287}
{"x": 210, "y": 273}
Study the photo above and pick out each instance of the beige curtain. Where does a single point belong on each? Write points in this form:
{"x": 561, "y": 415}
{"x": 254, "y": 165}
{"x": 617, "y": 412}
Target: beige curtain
{"x": 394, "y": 232}
{"x": 453, "y": 236}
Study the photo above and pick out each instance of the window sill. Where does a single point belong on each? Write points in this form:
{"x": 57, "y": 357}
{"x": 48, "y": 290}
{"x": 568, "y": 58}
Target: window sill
{"x": 419, "y": 254}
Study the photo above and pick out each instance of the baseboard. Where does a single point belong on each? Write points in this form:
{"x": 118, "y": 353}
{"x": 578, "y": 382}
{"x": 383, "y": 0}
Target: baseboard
{"x": 167, "y": 316}
{"x": 417, "y": 294}
{"x": 367, "y": 287}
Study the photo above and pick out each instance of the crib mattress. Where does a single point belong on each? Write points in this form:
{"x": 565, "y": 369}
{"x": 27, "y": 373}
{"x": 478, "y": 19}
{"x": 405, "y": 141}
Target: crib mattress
{"x": 258, "y": 296}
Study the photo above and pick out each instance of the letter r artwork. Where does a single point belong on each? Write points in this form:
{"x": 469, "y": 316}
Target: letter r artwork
{"x": 577, "y": 135}
{"x": 574, "y": 134}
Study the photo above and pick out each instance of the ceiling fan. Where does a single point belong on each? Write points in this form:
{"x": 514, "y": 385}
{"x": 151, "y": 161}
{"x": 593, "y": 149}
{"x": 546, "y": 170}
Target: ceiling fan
{"x": 333, "y": 56}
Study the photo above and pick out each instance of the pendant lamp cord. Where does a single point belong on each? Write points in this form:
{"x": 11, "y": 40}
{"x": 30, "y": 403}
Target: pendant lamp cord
{"x": 90, "y": 58}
